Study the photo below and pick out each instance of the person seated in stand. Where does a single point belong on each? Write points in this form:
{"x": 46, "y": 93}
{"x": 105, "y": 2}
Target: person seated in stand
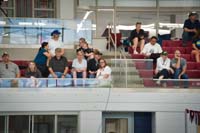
{"x": 104, "y": 71}
{"x": 196, "y": 46}
{"x": 79, "y": 66}
{"x": 81, "y": 43}
{"x": 42, "y": 59}
{"x": 190, "y": 27}
{"x": 163, "y": 69}
{"x": 86, "y": 50}
{"x": 32, "y": 71}
{"x": 58, "y": 65}
{"x": 8, "y": 69}
{"x": 93, "y": 64}
{"x": 152, "y": 50}
{"x": 54, "y": 43}
{"x": 137, "y": 38}
{"x": 179, "y": 65}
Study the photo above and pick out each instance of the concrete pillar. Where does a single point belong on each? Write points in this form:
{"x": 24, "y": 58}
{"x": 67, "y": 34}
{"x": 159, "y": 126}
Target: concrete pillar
{"x": 173, "y": 20}
{"x": 90, "y": 122}
{"x": 66, "y": 9}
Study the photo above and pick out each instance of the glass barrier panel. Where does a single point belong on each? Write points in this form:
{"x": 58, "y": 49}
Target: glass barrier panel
{"x": 26, "y": 31}
{"x": 53, "y": 83}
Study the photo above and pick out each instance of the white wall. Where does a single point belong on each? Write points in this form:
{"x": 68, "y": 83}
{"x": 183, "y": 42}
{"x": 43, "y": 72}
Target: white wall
{"x": 170, "y": 122}
{"x": 90, "y": 122}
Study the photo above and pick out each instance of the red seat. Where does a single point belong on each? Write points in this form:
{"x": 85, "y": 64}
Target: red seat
{"x": 140, "y": 65}
{"x": 119, "y": 37}
{"x": 198, "y": 65}
{"x": 168, "y": 49}
{"x": 181, "y": 49}
{"x": 170, "y": 56}
{"x": 149, "y": 83}
{"x": 191, "y": 65}
{"x": 193, "y": 74}
{"x": 186, "y": 56}
{"x": 172, "y": 43}
{"x": 146, "y": 73}
{"x": 137, "y": 56}
{"x": 188, "y": 50}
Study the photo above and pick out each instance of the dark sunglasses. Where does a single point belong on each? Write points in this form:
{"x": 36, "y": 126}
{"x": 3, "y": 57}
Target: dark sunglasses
{"x": 6, "y": 66}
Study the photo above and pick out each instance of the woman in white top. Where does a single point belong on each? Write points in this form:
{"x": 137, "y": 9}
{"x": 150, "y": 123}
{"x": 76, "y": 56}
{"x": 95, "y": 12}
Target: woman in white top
{"x": 163, "y": 69}
{"x": 79, "y": 66}
{"x": 104, "y": 71}
{"x": 54, "y": 43}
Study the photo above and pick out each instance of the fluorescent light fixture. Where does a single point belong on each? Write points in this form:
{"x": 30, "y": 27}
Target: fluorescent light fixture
{"x": 25, "y": 23}
{"x": 104, "y": 9}
{"x": 39, "y": 24}
{"x": 79, "y": 26}
{"x": 2, "y": 22}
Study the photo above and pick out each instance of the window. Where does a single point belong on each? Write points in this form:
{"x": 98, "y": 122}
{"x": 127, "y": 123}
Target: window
{"x": 18, "y": 124}
{"x": 44, "y": 124}
{"x": 8, "y": 7}
{"x": 67, "y": 124}
{"x": 2, "y": 124}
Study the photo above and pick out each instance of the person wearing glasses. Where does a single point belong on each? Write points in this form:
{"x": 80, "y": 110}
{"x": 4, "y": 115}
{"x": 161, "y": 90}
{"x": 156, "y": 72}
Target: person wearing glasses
{"x": 104, "y": 71}
{"x": 8, "y": 69}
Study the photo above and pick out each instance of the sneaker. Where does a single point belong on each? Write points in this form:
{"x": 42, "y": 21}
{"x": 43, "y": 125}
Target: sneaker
{"x": 135, "y": 52}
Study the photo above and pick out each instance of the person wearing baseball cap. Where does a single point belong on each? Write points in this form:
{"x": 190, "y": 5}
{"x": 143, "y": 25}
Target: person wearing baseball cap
{"x": 54, "y": 42}
{"x": 163, "y": 69}
{"x": 8, "y": 69}
{"x": 190, "y": 27}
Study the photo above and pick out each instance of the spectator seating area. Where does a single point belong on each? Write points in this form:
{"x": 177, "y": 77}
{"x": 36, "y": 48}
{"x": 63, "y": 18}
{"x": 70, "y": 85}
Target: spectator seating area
{"x": 193, "y": 68}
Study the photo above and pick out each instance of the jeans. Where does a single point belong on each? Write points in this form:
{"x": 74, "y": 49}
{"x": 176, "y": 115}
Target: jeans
{"x": 92, "y": 76}
{"x": 60, "y": 82}
{"x": 184, "y": 76}
{"x": 186, "y": 37}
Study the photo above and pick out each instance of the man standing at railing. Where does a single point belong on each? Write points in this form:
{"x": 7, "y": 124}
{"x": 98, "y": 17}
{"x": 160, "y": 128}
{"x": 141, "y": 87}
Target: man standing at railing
{"x": 8, "y": 69}
{"x": 54, "y": 43}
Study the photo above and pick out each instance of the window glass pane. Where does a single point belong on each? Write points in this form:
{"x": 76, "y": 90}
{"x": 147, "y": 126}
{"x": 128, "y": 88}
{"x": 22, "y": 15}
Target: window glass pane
{"x": 116, "y": 125}
{"x": 8, "y": 3}
{"x": 18, "y": 124}
{"x": 83, "y": 3}
{"x": 136, "y": 3}
{"x": 44, "y": 4}
{"x": 179, "y": 3}
{"x": 2, "y": 124}
{"x": 9, "y": 12}
{"x": 67, "y": 124}
{"x": 44, "y": 124}
{"x": 44, "y": 14}
{"x": 105, "y": 2}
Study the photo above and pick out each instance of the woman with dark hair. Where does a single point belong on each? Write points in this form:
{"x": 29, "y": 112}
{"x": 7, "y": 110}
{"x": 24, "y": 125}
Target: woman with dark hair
{"x": 196, "y": 46}
{"x": 42, "y": 58}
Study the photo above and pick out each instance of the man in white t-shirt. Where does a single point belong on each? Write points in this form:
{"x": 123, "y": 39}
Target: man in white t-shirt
{"x": 152, "y": 50}
{"x": 54, "y": 43}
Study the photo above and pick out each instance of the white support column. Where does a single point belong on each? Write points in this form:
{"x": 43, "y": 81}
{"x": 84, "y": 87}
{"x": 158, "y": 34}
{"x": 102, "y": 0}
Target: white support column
{"x": 170, "y": 122}
{"x": 66, "y": 9}
{"x": 90, "y": 122}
